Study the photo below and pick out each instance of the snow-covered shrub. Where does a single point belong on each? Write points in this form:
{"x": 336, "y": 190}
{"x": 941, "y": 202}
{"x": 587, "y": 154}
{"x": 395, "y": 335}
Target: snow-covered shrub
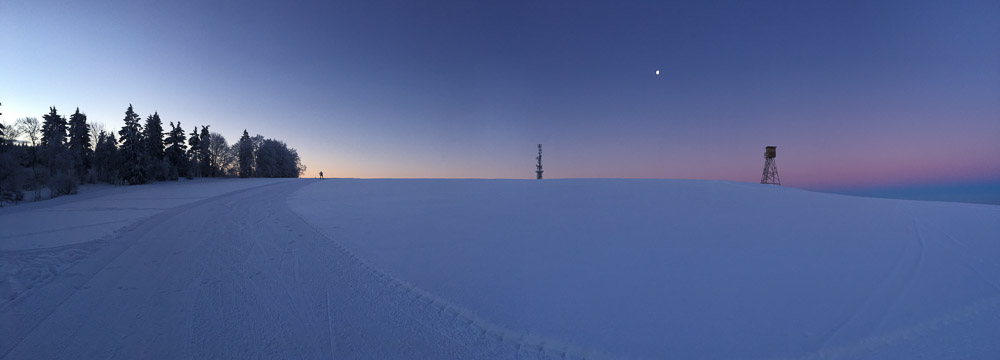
{"x": 64, "y": 184}
{"x": 12, "y": 179}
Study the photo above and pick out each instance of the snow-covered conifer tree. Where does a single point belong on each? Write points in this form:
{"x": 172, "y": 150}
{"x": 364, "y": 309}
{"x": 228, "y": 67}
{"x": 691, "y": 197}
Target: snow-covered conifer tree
{"x": 205, "y": 152}
{"x": 134, "y": 157}
{"x": 79, "y": 143}
{"x": 246, "y": 155}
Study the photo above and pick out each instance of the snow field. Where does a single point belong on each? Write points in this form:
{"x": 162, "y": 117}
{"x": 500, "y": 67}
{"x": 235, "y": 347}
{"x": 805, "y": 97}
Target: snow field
{"x": 442, "y": 314}
{"x": 673, "y": 268}
{"x": 496, "y": 269}
{"x": 236, "y": 276}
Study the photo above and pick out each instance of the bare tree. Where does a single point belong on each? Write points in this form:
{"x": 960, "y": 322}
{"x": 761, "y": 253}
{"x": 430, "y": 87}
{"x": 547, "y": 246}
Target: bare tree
{"x": 95, "y": 131}
{"x": 30, "y": 128}
{"x": 11, "y": 132}
{"x": 221, "y": 154}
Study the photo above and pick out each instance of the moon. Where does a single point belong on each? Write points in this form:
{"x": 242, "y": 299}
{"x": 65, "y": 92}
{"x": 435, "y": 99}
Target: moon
{"x": 657, "y": 72}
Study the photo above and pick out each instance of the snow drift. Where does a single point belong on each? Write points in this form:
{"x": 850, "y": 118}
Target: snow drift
{"x": 683, "y": 268}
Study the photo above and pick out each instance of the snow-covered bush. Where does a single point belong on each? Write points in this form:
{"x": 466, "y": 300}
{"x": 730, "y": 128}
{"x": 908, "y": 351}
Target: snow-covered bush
{"x": 64, "y": 184}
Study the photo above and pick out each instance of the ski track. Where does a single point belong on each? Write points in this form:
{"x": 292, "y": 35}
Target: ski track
{"x": 962, "y": 250}
{"x": 884, "y": 298}
{"x": 63, "y": 301}
{"x": 64, "y": 229}
{"x": 911, "y": 274}
{"x": 329, "y": 324}
{"x": 217, "y": 279}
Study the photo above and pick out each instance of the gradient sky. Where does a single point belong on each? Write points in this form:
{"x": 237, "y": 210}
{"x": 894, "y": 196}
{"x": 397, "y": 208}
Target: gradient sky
{"x": 853, "y": 93}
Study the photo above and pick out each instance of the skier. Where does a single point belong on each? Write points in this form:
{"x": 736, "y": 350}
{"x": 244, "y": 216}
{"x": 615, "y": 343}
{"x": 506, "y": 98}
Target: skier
{"x": 321, "y": 175}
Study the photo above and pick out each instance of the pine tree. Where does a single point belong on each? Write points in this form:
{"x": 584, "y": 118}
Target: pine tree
{"x": 79, "y": 143}
{"x": 106, "y": 158}
{"x": 153, "y": 146}
{"x": 133, "y": 156}
{"x": 177, "y": 150}
{"x": 154, "y": 137}
{"x": 194, "y": 143}
{"x": 205, "y": 151}
{"x": 2, "y": 147}
{"x": 246, "y": 155}
{"x": 53, "y": 129}
{"x": 53, "y": 141}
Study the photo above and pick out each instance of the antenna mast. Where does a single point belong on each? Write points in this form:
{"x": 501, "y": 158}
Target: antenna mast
{"x": 538, "y": 167}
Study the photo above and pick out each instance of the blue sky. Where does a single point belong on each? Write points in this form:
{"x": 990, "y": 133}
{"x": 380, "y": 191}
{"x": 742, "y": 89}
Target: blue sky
{"x": 853, "y": 93}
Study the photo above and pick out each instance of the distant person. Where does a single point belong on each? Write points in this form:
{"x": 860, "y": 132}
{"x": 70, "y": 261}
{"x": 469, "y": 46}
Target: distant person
{"x": 321, "y": 175}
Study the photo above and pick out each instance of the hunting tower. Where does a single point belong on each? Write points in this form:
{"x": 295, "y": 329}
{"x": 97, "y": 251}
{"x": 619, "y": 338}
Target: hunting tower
{"x": 770, "y": 175}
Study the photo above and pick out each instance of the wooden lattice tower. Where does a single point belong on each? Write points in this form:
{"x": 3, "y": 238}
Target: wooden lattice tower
{"x": 770, "y": 175}
{"x": 538, "y": 167}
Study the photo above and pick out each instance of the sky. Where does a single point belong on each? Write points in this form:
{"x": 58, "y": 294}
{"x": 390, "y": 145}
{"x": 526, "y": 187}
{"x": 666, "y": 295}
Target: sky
{"x": 855, "y": 94}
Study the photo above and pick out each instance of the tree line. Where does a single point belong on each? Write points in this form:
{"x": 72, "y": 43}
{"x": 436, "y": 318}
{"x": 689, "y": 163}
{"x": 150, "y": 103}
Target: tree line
{"x": 59, "y": 154}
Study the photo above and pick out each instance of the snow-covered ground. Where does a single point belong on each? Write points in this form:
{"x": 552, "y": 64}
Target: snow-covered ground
{"x": 40, "y": 239}
{"x": 98, "y": 211}
{"x": 214, "y": 270}
{"x": 494, "y": 269}
{"x": 682, "y": 269}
